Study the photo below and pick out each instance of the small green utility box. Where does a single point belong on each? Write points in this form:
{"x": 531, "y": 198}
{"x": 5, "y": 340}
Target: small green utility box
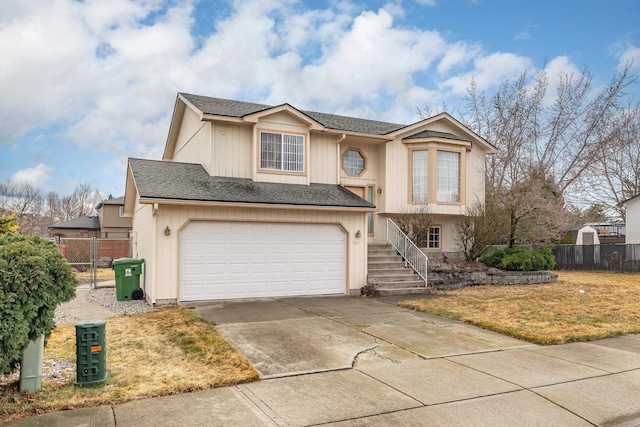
{"x": 128, "y": 271}
{"x": 91, "y": 352}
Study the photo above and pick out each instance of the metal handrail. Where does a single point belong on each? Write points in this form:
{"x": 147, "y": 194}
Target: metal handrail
{"x": 410, "y": 253}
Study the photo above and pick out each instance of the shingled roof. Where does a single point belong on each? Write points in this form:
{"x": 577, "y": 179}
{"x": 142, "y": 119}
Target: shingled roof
{"x": 187, "y": 181}
{"x": 239, "y": 109}
{"x": 82, "y": 223}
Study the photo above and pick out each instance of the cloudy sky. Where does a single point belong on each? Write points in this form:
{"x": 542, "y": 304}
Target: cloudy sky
{"x": 86, "y": 84}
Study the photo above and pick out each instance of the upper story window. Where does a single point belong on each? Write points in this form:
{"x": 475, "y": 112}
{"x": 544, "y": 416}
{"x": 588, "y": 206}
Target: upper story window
{"x": 420, "y": 175}
{"x": 281, "y": 151}
{"x": 443, "y": 177}
{"x": 121, "y": 211}
{"x": 353, "y": 162}
{"x": 448, "y": 185}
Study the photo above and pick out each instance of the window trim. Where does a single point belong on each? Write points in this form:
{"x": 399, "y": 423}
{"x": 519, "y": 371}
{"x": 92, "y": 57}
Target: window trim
{"x": 432, "y": 191}
{"x": 364, "y": 157}
{"x": 439, "y": 234}
{"x": 304, "y": 137}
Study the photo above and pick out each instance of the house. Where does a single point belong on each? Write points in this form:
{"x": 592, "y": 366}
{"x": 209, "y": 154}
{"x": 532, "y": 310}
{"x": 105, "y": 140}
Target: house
{"x": 632, "y": 219}
{"x": 83, "y": 226}
{"x": 253, "y": 200}
{"x": 109, "y": 223}
{"x": 580, "y": 235}
{"x": 113, "y": 223}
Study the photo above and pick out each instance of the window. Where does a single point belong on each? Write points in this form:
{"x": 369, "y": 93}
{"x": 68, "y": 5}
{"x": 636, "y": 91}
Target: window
{"x": 280, "y": 151}
{"x": 121, "y": 211}
{"x": 420, "y": 181}
{"x": 370, "y": 214}
{"x": 353, "y": 162}
{"x": 434, "y": 238}
{"x": 448, "y": 180}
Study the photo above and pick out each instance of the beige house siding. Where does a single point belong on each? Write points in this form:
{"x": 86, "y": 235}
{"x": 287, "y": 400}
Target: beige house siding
{"x": 323, "y": 167}
{"x": 231, "y": 154}
{"x": 164, "y": 274}
{"x": 143, "y": 241}
{"x": 193, "y": 144}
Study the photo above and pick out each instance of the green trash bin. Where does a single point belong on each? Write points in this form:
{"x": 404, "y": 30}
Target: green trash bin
{"x": 128, "y": 271}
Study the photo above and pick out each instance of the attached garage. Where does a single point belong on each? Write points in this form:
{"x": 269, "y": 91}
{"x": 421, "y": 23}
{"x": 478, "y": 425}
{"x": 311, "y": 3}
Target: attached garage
{"x": 229, "y": 260}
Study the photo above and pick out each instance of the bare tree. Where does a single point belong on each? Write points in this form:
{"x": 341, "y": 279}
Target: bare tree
{"x": 415, "y": 224}
{"x": 615, "y": 174}
{"x": 546, "y": 142}
{"x": 483, "y": 227}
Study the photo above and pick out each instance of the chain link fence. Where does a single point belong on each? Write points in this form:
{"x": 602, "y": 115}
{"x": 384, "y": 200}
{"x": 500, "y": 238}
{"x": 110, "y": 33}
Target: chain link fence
{"x": 87, "y": 254}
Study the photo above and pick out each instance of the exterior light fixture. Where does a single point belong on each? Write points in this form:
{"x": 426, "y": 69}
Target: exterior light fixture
{"x": 167, "y": 231}
{"x": 358, "y": 234}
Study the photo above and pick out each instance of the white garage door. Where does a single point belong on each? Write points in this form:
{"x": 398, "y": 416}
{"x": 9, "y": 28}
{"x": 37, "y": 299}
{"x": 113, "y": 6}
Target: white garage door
{"x": 225, "y": 260}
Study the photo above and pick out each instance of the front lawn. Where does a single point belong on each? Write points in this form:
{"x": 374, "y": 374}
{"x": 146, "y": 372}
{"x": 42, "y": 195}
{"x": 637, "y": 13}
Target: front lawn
{"x": 582, "y": 306}
{"x": 162, "y": 352}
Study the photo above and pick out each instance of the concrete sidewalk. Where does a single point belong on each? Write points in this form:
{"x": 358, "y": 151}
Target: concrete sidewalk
{"x": 81, "y": 309}
{"x": 387, "y": 366}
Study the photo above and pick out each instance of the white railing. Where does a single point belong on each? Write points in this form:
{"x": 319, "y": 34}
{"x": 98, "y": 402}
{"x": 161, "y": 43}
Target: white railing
{"x": 410, "y": 253}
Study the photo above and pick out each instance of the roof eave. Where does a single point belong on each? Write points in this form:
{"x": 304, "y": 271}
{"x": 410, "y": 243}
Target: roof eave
{"x": 213, "y": 203}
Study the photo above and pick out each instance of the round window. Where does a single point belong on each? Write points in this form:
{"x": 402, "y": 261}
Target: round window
{"x": 353, "y": 162}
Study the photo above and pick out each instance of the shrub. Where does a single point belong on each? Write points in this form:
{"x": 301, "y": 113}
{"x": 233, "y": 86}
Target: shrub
{"x": 34, "y": 279}
{"x": 520, "y": 259}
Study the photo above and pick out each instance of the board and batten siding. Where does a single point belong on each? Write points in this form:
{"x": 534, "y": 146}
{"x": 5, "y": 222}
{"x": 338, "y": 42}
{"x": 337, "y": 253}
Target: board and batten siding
{"x": 143, "y": 242}
{"x": 193, "y": 143}
{"x": 166, "y": 275}
{"x": 231, "y": 153}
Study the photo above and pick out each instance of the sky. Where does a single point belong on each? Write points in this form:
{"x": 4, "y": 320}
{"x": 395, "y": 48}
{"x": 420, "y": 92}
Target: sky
{"x": 85, "y": 84}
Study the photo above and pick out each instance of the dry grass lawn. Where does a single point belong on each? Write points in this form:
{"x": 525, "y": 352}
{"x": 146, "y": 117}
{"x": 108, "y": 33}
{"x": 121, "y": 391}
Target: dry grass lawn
{"x": 162, "y": 352}
{"x": 102, "y": 274}
{"x": 582, "y": 306}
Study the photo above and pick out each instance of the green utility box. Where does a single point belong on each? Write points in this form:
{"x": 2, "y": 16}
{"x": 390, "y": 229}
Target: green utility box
{"x": 91, "y": 352}
{"x": 128, "y": 271}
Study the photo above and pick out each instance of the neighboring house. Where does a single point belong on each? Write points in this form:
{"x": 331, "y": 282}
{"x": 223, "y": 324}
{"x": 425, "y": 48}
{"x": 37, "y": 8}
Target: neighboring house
{"x": 253, "y": 200}
{"x": 609, "y": 233}
{"x": 580, "y": 235}
{"x": 110, "y": 222}
{"x": 84, "y": 226}
{"x": 632, "y": 219}
{"x": 113, "y": 223}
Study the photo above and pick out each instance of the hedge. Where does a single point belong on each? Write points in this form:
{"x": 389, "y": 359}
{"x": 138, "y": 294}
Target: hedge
{"x": 34, "y": 279}
{"x": 520, "y": 259}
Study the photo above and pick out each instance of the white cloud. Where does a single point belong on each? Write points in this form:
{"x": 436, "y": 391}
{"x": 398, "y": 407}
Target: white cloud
{"x": 457, "y": 55}
{"x": 35, "y": 176}
{"x": 489, "y": 71}
{"x": 558, "y": 69}
{"x": 630, "y": 55}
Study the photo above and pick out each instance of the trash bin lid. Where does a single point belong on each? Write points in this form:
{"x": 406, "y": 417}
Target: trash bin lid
{"x": 90, "y": 323}
{"x": 131, "y": 261}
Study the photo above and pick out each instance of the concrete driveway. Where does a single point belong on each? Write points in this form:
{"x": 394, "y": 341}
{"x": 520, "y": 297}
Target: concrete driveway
{"x": 345, "y": 361}
{"x": 292, "y": 336}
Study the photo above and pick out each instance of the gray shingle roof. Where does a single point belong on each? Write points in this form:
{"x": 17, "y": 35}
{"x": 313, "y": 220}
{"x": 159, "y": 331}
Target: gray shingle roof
{"x": 83, "y": 222}
{"x": 230, "y": 108}
{"x": 114, "y": 201}
{"x": 187, "y": 181}
{"x": 436, "y": 134}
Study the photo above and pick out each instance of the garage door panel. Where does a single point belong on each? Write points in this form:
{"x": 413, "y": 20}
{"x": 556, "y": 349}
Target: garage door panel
{"x": 222, "y": 260}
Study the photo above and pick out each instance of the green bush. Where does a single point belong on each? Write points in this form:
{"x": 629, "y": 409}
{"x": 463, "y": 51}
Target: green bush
{"x": 34, "y": 279}
{"x": 520, "y": 259}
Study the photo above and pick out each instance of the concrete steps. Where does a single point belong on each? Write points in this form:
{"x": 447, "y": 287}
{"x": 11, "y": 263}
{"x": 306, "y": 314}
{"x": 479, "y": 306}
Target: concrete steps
{"x": 387, "y": 272}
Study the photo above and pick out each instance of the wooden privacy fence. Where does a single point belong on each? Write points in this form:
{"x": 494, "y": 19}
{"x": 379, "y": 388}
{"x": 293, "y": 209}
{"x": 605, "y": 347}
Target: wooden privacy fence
{"x": 609, "y": 257}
